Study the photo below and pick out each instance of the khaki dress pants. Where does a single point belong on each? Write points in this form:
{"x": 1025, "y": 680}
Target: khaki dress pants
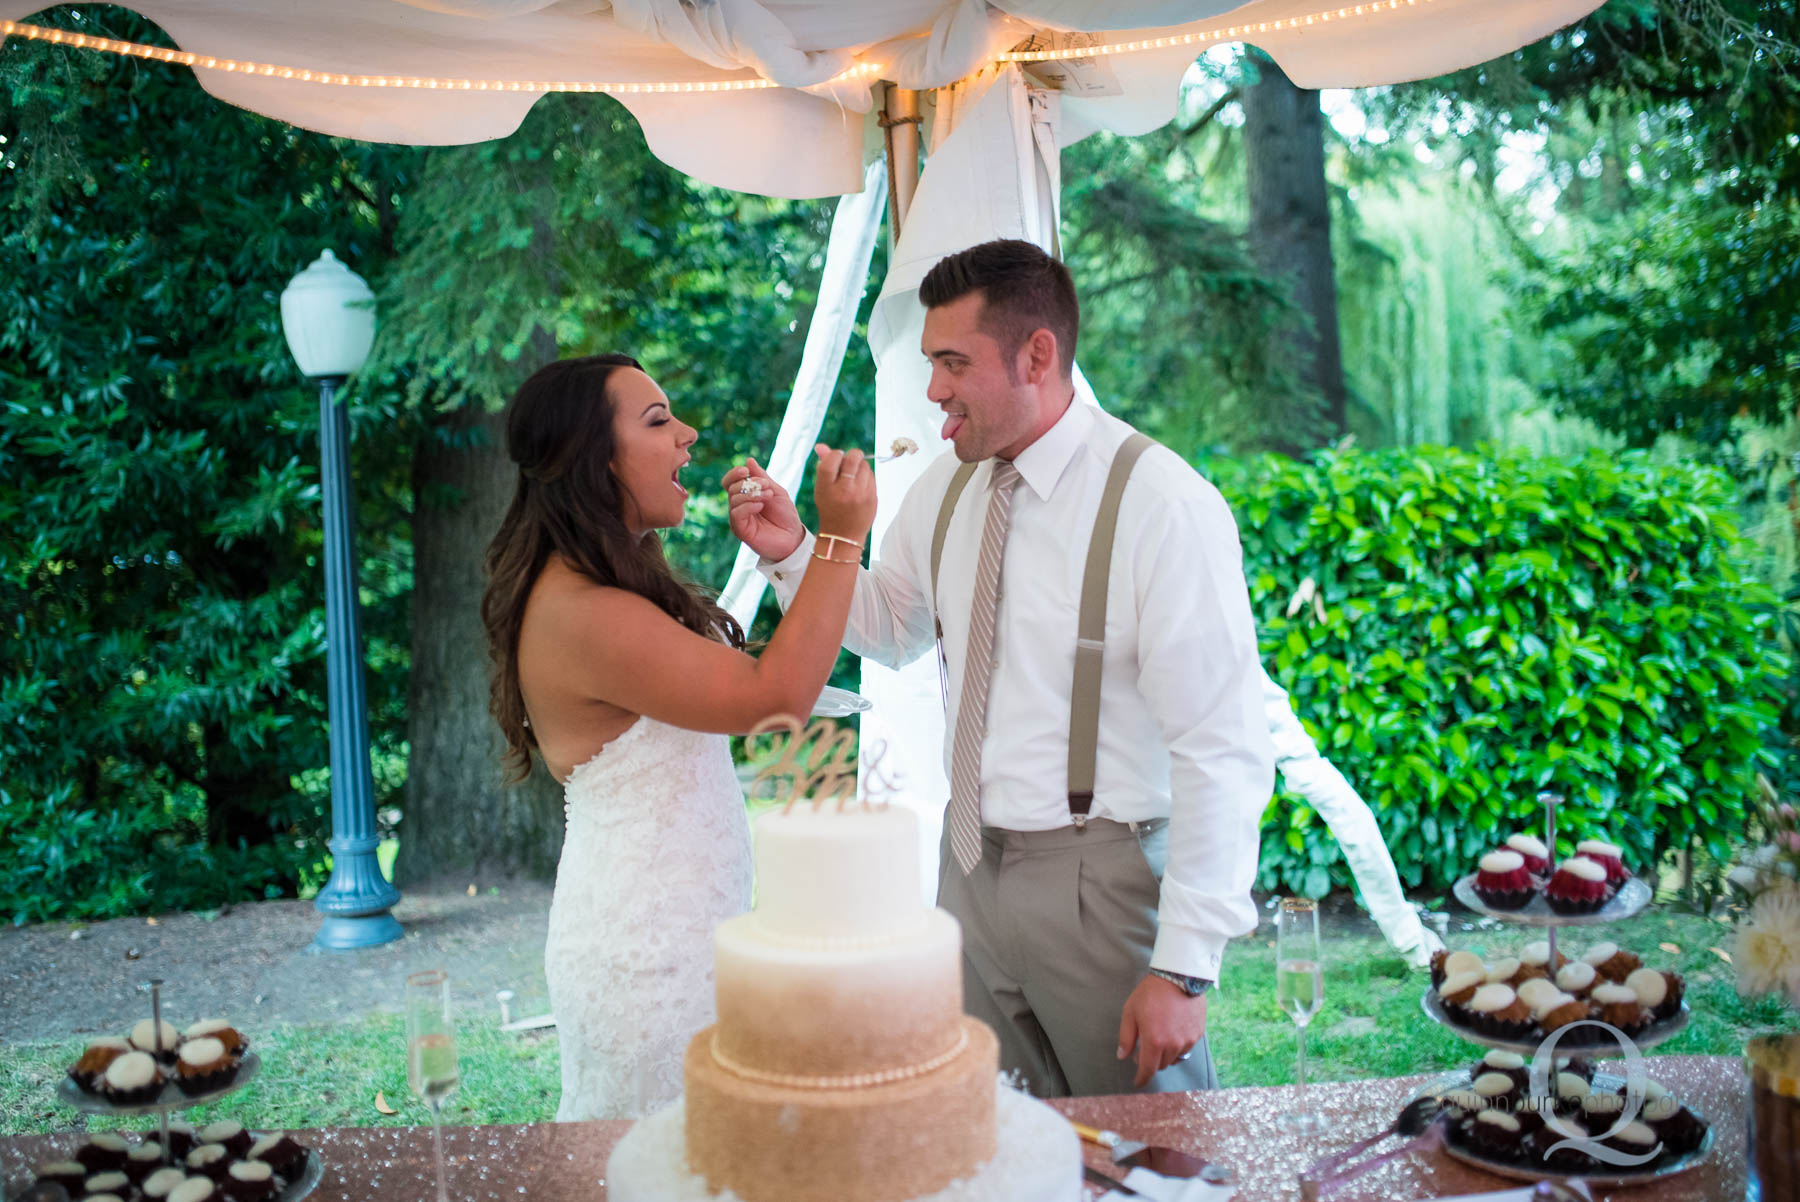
{"x": 1057, "y": 929}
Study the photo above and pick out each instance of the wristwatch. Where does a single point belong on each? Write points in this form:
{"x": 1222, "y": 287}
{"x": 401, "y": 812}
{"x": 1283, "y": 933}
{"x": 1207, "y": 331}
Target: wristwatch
{"x": 1192, "y": 986}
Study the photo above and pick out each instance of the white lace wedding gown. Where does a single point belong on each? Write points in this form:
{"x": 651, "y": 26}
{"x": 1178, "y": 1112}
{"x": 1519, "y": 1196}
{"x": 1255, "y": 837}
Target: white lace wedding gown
{"x": 657, "y": 854}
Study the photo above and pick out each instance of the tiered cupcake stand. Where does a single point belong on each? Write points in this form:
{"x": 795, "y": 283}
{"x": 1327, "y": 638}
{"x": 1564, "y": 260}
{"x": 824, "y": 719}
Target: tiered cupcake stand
{"x": 1631, "y": 899}
{"x": 174, "y": 1099}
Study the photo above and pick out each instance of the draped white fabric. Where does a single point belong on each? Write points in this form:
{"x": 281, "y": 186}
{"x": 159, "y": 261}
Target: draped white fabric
{"x": 782, "y": 141}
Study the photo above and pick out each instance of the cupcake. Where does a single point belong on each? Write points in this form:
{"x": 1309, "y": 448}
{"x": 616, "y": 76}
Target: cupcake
{"x": 110, "y": 1182}
{"x": 143, "y": 1160}
{"x": 1680, "y": 1129}
{"x": 1497, "y": 1010}
{"x": 250, "y": 1181}
{"x": 1533, "y": 852}
{"x": 158, "y": 1185}
{"x": 1437, "y": 970}
{"x": 1501, "y": 881}
{"x": 1562, "y": 1010}
{"x": 182, "y": 1138}
{"x": 1497, "y": 1135}
{"x": 1457, "y": 991}
{"x": 1462, "y": 961}
{"x": 280, "y": 1152}
{"x": 103, "y": 1153}
{"x": 1619, "y": 1006}
{"x": 1534, "y": 960}
{"x": 1508, "y": 1064}
{"x": 1658, "y": 992}
{"x": 1503, "y": 971}
{"x": 1577, "y": 978}
{"x": 66, "y": 1173}
{"x": 203, "y": 1065}
{"x": 144, "y": 1038}
{"x": 195, "y": 1189}
{"x": 1612, "y": 961}
{"x": 1635, "y": 1139}
{"x": 1601, "y": 1112}
{"x": 1566, "y": 1159}
{"x": 1497, "y": 1090}
{"x": 132, "y": 1080}
{"x": 1536, "y": 993}
{"x": 1578, "y": 886}
{"x": 95, "y": 1059}
{"x": 1607, "y": 856}
{"x": 229, "y": 1133}
{"x": 209, "y": 1160}
{"x": 224, "y": 1032}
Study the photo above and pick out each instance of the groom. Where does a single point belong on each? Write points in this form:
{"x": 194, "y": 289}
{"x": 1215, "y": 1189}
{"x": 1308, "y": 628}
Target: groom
{"x": 1094, "y": 919}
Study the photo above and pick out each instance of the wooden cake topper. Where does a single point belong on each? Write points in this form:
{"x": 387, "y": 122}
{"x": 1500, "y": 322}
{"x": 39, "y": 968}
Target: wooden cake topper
{"x": 814, "y": 763}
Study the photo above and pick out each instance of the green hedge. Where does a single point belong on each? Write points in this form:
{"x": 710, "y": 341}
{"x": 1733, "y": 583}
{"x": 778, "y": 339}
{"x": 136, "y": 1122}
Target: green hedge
{"x": 1490, "y": 624}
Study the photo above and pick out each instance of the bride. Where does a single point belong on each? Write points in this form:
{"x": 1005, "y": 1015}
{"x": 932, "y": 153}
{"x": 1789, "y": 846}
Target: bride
{"x": 626, "y": 680}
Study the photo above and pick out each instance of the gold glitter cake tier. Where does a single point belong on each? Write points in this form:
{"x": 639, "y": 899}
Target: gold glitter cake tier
{"x": 884, "y": 1142}
{"x": 825, "y": 1010}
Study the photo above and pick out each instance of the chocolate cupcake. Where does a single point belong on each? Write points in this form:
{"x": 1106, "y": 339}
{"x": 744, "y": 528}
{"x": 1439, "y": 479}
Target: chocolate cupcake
{"x": 209, "y": 1160}
{"x": 280, "y": 1152}
{"x": 1578, "y": 886}
{"x": 1577, "y": 978}
{"x": 1532, "y": 850}
{"x": 1619, "y": 1006}
{"x": 1498, "y": 1091}
{"x": 229, "y": 1133}
{"x": 1564, "y": 1159}
{"x": 103, "y": 1153}
{"x": 1497, "y": 1010}
{"x": 1606, "y": 855}
{"x": 1636, "y": 1139}
{"x": 145, "y": 1038}
{"x": 68, "y": 1174}
{"x": 1562, "y": 1010}
{"x": 94, "y": 1061}
{"x": 250, "y": 1181}
{"x": 143, "y": 1160}
{"x": 182, "y": 1138}
{"x": 195, "y": 1189}
{"x": 1502, "y": 883}
{"x": 224, "y": 1032}
{"x": 1658, "y": 992}
{"x": 159, "y": 1184}
{"x": 1612, "y": 961}
{"x": 203, "y": 1066}
{"x": 1498, "y": 1135}
{"x": 1680, "y": 1129}
{"x": 110, "y": 1182}
{"x": 134, "y": 1079}
{"x": 1509, "y": 1064}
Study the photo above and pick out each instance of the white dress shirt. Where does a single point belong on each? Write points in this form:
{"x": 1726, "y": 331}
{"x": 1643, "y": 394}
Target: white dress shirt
{"x": 1182, "y": 729}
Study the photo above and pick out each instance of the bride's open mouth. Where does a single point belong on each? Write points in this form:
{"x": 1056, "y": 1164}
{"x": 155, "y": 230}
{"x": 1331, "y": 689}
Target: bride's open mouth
{"x": 675, "y": 479}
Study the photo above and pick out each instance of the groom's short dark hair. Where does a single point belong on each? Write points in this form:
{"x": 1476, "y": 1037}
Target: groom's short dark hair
{"x": 1023, "y": 289}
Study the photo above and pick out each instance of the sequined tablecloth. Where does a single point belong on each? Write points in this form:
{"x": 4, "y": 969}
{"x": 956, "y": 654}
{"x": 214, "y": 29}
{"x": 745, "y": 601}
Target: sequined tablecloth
{"x": 566, "y": 1162}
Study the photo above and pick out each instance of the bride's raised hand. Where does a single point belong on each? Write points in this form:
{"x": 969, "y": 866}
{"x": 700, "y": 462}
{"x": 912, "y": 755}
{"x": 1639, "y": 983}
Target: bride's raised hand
{"x": 844, "y": 492}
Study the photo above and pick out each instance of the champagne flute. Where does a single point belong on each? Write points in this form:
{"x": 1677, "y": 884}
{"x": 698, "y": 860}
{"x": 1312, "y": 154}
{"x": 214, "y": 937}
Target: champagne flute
{"x": 1299, "y": 990}
{"x": 431, "y": 1070}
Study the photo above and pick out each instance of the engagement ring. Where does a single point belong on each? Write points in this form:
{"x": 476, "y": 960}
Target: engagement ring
{"x": 751, "y": 487}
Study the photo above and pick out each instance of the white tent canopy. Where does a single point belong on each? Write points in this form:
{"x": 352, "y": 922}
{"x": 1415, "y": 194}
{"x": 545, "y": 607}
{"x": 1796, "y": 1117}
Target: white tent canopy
{"x": 805, "y": 136}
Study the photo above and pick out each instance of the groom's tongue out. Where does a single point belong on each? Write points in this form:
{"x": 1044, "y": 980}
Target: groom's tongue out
{"x": 952, "y": 424}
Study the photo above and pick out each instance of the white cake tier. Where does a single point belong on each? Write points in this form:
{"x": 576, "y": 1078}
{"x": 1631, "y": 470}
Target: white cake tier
{"x": 1037, "y": 1159}
{"x": 829, "y": 1011}
{"x": 849, "y": 874}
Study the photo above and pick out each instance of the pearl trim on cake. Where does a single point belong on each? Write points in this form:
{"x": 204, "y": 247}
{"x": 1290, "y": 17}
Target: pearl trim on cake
{"x": 848, "y": 1081}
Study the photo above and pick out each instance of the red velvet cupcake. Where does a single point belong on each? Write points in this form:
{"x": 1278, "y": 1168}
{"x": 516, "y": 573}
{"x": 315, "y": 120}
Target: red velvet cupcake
{"x": 1502, "y": 882}
{"x": 1607, "y": 856}
{"x": 1535, "y": 854}
{"x": 1578, "y": 887}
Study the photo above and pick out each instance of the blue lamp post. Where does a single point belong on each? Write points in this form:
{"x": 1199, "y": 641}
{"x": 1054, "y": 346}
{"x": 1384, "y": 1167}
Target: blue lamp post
{"x": 329, "y": 320}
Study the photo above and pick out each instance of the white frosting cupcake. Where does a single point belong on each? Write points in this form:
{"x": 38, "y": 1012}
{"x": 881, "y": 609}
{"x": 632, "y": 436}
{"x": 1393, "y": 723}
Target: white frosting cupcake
{"x": 1556, "y": 999}
{"x": 251, "y": 1170}
{"x": 1537, "y": 991}
{"x": 206, "y": 1155}
{"x": 1608, "y": 994}
{"x": 1490, "y": 998}
{"x": 159, "y": 1183}
{"x": 1502, "y": 861}
{"x": 1598, "y": 847}
{"x": 132, "y": 1071}
{"x": 107, "y": 1141}
{"x": 143, "y": 1037}
{"x": 1458, "y": 982}
{"x": 202, "y": 1051}
{"x": 1529, "y": 846}
{"x": 1650, "y": 986}
{"x": 1635, "y": 1135}
{"x": 1576, "y": 977}
{"x": 1535, "y": 955}
{"x": 1500, "y": 1058}
{"x": 1600, "y": 953}
{"x": 194, "y": 1189}
{"x": 1572, "y": 1085}
{"x": 1462, "y": 961}
{"x": 1502, "y": 970}
{"x": 1493, "y": 1085}
{"x": 1498, "y": 1118}
{"x": 106, "y": 1183}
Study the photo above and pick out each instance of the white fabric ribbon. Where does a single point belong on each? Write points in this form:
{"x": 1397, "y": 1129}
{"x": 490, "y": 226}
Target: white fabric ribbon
{"x": 733, "y": 34}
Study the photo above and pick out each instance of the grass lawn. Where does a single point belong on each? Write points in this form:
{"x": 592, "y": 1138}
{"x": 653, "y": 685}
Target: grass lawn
{"x": 1371, "y": 1026}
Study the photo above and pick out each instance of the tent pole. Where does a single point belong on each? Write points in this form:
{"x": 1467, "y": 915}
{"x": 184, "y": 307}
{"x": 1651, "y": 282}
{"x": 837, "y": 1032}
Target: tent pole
{"x": 900, "y": 124}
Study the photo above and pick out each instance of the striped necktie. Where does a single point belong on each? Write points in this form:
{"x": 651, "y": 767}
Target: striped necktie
{"x": 978, "y": 667}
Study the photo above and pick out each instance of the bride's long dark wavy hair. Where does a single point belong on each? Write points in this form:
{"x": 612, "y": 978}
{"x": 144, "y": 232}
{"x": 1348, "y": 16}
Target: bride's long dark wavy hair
{"x": 568, "y": 502}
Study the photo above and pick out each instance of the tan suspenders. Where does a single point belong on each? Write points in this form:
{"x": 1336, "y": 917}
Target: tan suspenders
{"x": 1090, "y": 642}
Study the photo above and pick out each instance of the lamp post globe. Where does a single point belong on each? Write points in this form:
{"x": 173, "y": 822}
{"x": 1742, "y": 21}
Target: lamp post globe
{"x": 328, "y": 315}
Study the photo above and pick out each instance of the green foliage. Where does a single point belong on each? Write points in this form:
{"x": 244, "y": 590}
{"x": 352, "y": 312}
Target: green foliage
{"x": 161, "y": 661}
{"x": 1488, "y": 626}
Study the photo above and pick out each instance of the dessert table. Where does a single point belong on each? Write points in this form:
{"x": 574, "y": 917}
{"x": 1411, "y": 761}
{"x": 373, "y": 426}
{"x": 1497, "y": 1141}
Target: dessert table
{"x": 566, "y": 1162}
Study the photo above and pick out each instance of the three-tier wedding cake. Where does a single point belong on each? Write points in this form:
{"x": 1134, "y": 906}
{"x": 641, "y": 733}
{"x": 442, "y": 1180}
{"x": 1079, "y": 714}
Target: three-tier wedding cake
{"x": 842, "y": 1068}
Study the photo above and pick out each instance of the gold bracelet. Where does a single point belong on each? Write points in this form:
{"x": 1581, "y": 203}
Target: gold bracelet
{"x": 837, "y": 538}
{"x": 829, "y": 559}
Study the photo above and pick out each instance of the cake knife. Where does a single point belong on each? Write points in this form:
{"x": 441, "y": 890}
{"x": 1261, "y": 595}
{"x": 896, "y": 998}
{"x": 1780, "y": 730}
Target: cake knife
{"x": 1169, "y": 1162}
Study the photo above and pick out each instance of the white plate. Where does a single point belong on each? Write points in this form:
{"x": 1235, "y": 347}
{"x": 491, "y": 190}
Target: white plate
{"x": 1614, "y": 1175}
{"x": 1632, "y": 896}
{"x": 840, "y": 703}
{"x": 1655, "y": 1033}
{"x": 172, "y": 1097}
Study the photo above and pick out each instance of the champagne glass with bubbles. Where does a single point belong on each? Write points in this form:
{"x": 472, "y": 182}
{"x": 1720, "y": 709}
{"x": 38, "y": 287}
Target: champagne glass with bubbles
{"x": 1299, "y": 989}
{"x": 431, "y": 1070}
